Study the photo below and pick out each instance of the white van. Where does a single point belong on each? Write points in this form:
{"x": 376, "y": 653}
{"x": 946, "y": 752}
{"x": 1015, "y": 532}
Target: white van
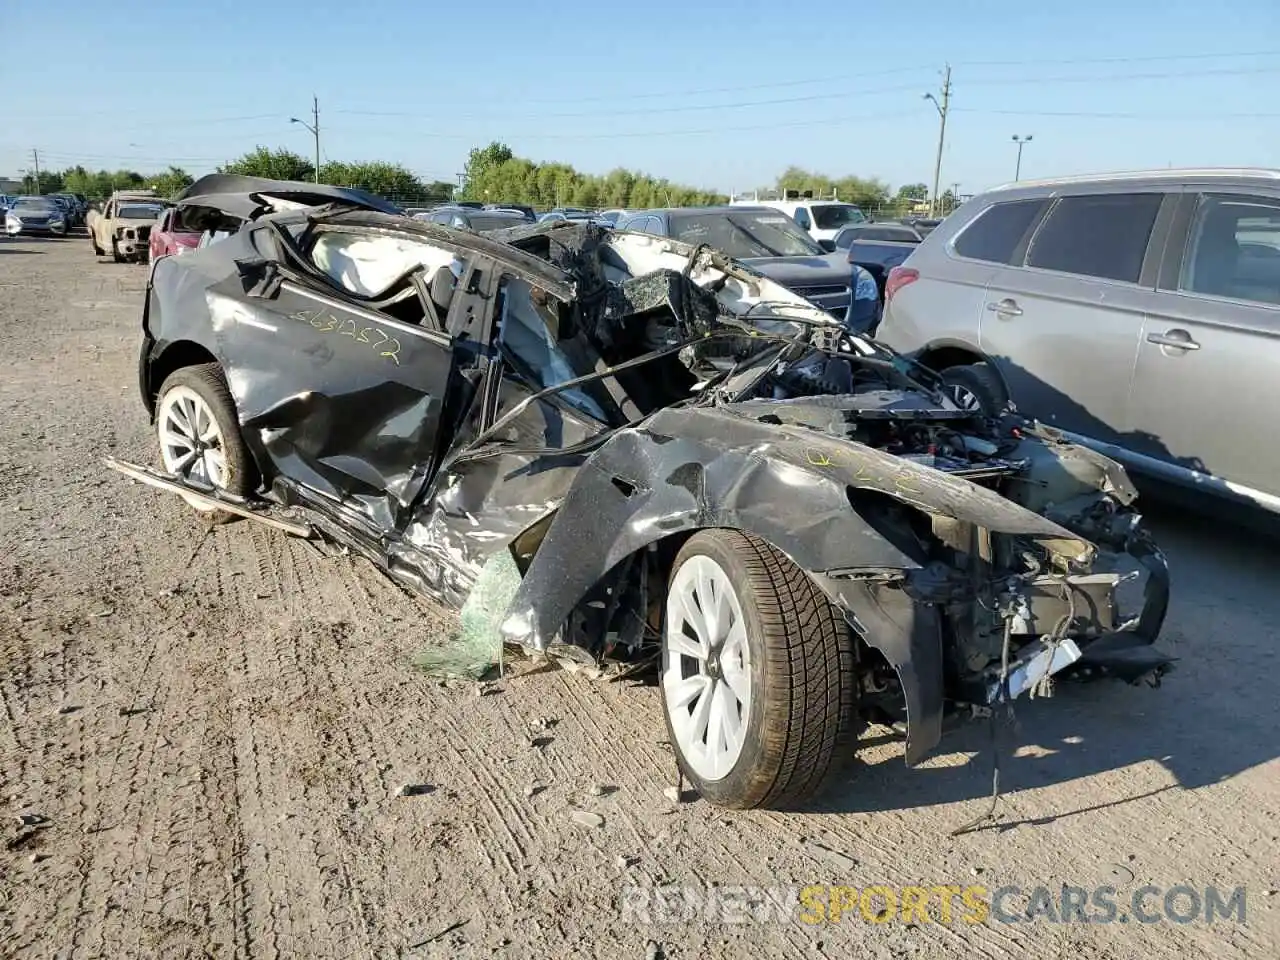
{"x": 822, "y": 218}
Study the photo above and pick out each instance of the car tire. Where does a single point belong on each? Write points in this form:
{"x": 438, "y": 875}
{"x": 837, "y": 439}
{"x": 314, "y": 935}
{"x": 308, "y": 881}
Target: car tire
{"x": 93, "y": 242}
{"x": 976, "y": 387}
{"x": 194, "y": 404}
{"x": 116, "y": 255}
{"x": 796, "y": 654}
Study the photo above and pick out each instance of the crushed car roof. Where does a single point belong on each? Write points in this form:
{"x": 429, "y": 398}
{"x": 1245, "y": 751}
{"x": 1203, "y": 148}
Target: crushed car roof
{"x": 244, "y": 197}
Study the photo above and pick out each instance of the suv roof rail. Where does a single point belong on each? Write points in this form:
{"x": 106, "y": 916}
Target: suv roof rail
{"x": 1173, "y": 174}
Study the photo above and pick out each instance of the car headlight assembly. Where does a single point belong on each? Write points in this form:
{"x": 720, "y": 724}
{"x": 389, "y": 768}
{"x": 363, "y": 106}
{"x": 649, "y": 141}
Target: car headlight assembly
{"x": 864, "y": 285}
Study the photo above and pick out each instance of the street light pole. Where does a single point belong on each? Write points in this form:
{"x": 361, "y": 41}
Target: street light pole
{"x": 942, "y": 106}
{"x": 314, "y": 127}
{"x": 1021, "y": 142}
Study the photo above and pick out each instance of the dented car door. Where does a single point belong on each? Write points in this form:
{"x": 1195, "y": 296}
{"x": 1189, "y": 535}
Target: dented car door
{"x": 343, "y": 403}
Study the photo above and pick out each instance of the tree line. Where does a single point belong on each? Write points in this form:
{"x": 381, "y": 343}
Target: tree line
{"x": 493, "y": 174}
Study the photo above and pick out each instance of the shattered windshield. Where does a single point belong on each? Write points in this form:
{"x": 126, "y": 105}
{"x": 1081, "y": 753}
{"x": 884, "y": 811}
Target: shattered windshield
{"x": 746, "y": 234}
{"x": 833, "y": 216}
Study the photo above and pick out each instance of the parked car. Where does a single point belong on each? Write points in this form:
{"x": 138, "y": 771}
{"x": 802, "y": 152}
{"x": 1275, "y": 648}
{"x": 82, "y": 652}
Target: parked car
{"x": 877, "y": 247}
{"x": 821, "y": 219}
{"x": 612, "y": 216}
{"x": 123, "y": 226}
{"x": 922, "y": 225}
{"x": 67, "y": 207}
{"x": 640, "y": 451}
{"x": 573, "y": 214}
{"x": 468, "y": 218}
{"x": 1127, "y": 310}
{"x": 521, "y": 208}
{"x": 772, "y": 243}
{"x": 40, "y": 216}
{"x": 75, "y": 212}
{"x": 171, "y": 236}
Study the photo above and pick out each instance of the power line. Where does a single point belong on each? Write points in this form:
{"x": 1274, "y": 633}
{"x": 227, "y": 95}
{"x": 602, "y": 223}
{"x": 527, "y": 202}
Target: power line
{"x": 1119, "y": 115}
{"x": 69, "y": 157}
{"x": 830, "y": 79}
{"x": 812, "y": 98}
{"x": 687, "y": 108}
{"x": 1126, "y": 59}
{"x": 1118, "y": 77}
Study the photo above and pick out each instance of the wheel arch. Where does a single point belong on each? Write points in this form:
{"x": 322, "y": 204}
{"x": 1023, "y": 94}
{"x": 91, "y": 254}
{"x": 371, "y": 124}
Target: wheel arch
{"x": 666, "y": 497}
{"x": 170, "y": 359}
{"x": 941, "y": 354}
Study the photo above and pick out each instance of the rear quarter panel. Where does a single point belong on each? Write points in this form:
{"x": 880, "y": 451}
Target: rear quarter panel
{"x": 943, "y": 306}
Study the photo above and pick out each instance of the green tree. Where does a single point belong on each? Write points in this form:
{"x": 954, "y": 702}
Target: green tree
{"x": 384, "y": 179}
{"x": 279, "y": 164}
{"x": 913, "y": 191}
{"x": 437, "y": 191}
{"x": 481, "y": 161}
{"x": 170, "y": 183}
{"x": 864, "y": 191}
{"x": 50, "y": 182}
{"x": 495, "y": 176}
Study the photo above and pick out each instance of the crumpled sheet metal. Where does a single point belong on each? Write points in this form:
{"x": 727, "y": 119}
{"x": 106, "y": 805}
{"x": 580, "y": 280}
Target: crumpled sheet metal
{"x": 688, "y": 468}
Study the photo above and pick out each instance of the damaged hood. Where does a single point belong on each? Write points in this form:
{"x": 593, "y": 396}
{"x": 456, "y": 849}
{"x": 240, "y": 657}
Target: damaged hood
{"x": 862, "y": 467}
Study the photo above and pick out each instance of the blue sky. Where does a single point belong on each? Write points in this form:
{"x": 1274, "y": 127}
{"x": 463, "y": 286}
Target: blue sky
{"x": 720, "y": 95}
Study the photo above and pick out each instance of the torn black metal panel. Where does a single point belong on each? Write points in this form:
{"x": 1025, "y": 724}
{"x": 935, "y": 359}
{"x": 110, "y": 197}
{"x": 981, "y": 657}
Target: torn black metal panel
{"x": 342, "y": 400}
{"x": 909, "y": 634}
{"x": 862, "y": 467}
{"x": 649, "y": 483}
{"x": 477, "y": 507}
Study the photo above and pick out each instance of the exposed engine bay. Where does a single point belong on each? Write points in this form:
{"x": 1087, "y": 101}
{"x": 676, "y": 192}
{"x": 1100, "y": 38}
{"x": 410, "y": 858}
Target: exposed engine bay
{"x": 1011, "y": 608}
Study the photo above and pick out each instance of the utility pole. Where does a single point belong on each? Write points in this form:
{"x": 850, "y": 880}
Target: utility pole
{"x": 35, "y": 159}
{"x": 314, "y": 127}
{"x": 942, "y": 106}
{"x": 1021, "y": 142}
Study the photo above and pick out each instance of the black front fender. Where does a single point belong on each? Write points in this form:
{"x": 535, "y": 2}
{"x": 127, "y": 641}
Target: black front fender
{"x": 642, "y": 487}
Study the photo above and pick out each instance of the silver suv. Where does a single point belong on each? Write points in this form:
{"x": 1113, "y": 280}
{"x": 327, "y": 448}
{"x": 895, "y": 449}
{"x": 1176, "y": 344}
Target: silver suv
{"x": 1139, "y": 313}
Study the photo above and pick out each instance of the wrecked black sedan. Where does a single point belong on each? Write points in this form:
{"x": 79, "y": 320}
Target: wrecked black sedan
{"x": 676, "y": 460}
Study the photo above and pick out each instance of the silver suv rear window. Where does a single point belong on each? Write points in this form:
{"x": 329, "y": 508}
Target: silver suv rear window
{"x": 1102, "y": 235}
{"x": 998, "y": 234}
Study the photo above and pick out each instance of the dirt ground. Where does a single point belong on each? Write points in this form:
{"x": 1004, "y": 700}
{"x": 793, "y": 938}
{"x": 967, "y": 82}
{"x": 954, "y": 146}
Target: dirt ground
{"x": 208, "y": 732}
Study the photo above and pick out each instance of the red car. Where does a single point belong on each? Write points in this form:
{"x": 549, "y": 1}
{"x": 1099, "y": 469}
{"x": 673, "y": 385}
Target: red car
{"x": 169, "y": 235}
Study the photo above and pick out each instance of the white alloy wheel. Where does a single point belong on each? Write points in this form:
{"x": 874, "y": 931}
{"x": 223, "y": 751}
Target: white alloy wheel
{"x": 706, "y": 668}
{"x": 964, "y": 398}
{"x": 191, "y": 444}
